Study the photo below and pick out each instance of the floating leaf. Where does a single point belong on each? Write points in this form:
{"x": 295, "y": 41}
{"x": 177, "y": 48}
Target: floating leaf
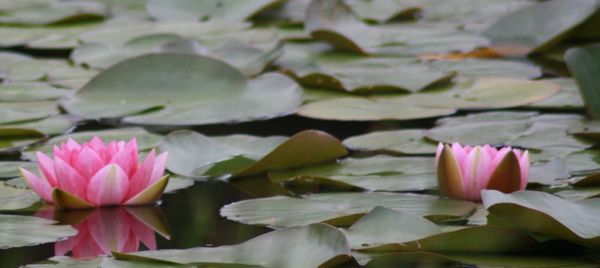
{"x": 19, "y": 231}
{"x": 572, "y": 221}
{"x": 567, "y": 98}
{"x": 583, "y": 63}
{"x": 205, "y": 96}
{"x": 378, "y": 173}
{"x": 334, "y": 22}
{"x": 23, "y": 92}
{"x": 315, "y": 245}
{"x": 247, "y": 155}
{"x": 535, "y": 28}
{"x": 384, "y": 229}
{"x": 406, "y": 141}
{"x": 340, "y": 209}
{"x": 209, "y": 10}
{"x": 12, "y": 198}
{"x": 56, "y": 12}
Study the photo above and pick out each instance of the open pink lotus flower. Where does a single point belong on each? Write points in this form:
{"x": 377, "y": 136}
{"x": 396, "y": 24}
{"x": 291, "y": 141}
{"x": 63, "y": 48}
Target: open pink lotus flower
{"x": 463, "y": 172}
{"x": 96, "y": 174}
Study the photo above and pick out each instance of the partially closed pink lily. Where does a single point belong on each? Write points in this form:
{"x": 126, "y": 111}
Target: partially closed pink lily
{"x": 463, "y": 172}
{"x": 96, "y": 174}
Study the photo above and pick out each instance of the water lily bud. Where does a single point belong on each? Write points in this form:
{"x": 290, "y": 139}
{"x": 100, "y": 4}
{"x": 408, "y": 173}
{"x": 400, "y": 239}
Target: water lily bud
{"x": 463, "y": 172}
{"x": 95, "y": 174}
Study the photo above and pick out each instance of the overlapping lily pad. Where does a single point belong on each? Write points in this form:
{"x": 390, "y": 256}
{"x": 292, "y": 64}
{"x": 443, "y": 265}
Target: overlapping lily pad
{"x": 384, "y": 229}
{"x": 378, "y": 173}
{"x": 19, "y": 231}
{"x": 12, "y": 198}
{"x": 183, "y": 90}
{"x": 244, "y": 155}
{"x": 583, "y": 64}
{"x": 546, "y": 214}
{"x": 334, "y": 22}
{"x": 485, "y": 93}
{"x": 340, "y": 209}
{"x": 210, "y": 10}
{"x": 406, "y": 141}
{"x": 315, "y": 245}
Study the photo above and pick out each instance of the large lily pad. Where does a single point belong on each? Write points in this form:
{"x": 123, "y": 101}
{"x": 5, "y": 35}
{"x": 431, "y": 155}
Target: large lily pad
{"x": 60, "y": 11}
{"x": 183, "y": 90}
{"x": 23, "y": 92}
{"x": 546, "y": 214}
{"x": 567, "y": 98}
{"x": 378, "y": 173}
{"x": 535, "y": 28}
{"x": 19, "y": 231}
{"x": 193, "y": 154}
{"x": 12, "y": 198}
{"x": 406, "y": 141}
{"x": 209, "y": 10}
{"x": 334, "y": 22}
{"x": 340, "y": 209}
{"x": 384, "y": 229}
{"x": 485, "y": 93}
{"x": 315, "y": 245}
{"x": 583, "y": 63}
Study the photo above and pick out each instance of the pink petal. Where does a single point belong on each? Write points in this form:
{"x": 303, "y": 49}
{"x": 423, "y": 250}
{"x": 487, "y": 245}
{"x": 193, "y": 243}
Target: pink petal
{"x": 489, "y": 150}
{"x": 46, "y": 165}
{"x": 57, "y": 152}
{"x": 476, "y": 173}
{"x": 108, "y": 186}
{"x": 39, "y": 185}
{"x": 88, "y": 248}
{"x": 127, "y": 158}
{"x": 73, "y": 145}
{"x": 139, "y": 180}
{"x": 143, "y": 233}
{"x": 460, "y": 154}
{"x": 69, "y": 179}
{"x": 524, "y": 165}
{"x": 159, "y": 168}
{"x": 88, "y": 163}
{"x": 132, "y": 243}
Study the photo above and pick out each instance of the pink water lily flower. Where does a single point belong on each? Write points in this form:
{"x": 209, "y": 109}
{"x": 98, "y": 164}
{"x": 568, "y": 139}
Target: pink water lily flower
{"x": 95, "y": 174}
{"x": 463, "y": 172}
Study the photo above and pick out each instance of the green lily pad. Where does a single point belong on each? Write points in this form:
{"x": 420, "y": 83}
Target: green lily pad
{"x": 12, "y": 198}
{"x": 335, "y": 23}
{"x": 205, "y": 96}
{"x": 384, "y": 229}
{"x": 24, "y": 92}
{"x": 244, "y": 155}
{"x": 210, "y": 10}
{"x": 479, "y": 68}
{"x": 405, "y": 141}
{"x": 378, "y": 173}
{"x": 311, "y": 65}
{"x": 572, "y": 221}
{"x": 26, "y": 111}
{"x": 582, "y": 62}
{"x": 485, "y": 93}
{"x": 567, "y": 98}
{"x": 534, "y": 28}
{"x": 590, "y": 130}
{"x": 57, "y": 12}
{"x": 315, "y": 245}
{"x": 579, "y": 193}
{"x": 340, "y": 209}
{"x": 10, "y": 169}
{"x": 20, "y": 231}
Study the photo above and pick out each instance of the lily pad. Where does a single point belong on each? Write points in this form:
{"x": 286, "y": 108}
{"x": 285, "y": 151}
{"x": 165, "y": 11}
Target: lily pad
{"x": 567, "y": 98}
{"x": 56, "y": 12}
{"x": 485, "y": 93}
{"x": 535, "y": 28}
{"x": 315, "y": 245}
{"x": 335, "y": 23}
{"x": 210, "y": 10}
{"x": 340, "y": 209}
{"x": 405, "y": 141}
{"x": 10, "y": 169}
{"x": 205, "y": 96}
{"x": 378, "y": 173}
{"x": 583, "y": 64}
{"x": 12, "y": 198}
{"x": 24, "y": 92}
{"x": 244, "y": 155}
{"x": 384, "y": 229}
{"x": 572, "y": 221}
{"x": 19, "y": 231}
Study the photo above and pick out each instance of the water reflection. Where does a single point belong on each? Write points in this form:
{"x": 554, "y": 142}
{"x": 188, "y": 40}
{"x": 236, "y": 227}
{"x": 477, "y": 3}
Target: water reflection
{"x": 103, "y": 230}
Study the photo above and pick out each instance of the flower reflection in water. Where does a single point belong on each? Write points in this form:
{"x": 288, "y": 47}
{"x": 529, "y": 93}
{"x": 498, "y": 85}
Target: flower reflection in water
{"x": 107, "y": 229}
